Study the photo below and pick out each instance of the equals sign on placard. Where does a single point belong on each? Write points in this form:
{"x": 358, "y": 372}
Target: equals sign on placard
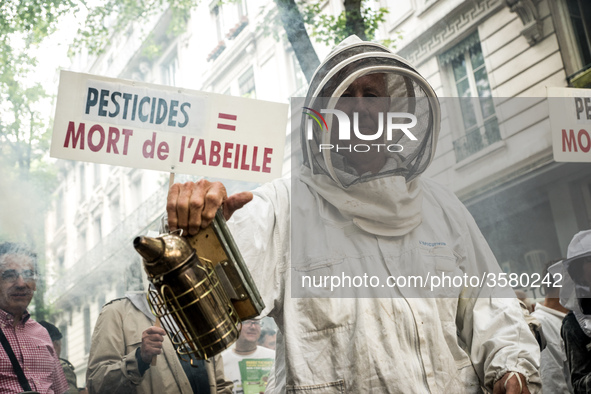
{"x": 224, "y": 126}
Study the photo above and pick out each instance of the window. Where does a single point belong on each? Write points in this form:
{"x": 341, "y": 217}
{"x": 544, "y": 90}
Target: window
{"x": 59, "y": 209}
{"x": 133, "y": 276}
{"x": 572, "y": 20}
{"x": 470, "y": 84}
{"x": 97, "y": 229}
{"x": 82, "y": 180}
{"x": 299, "y": 78}
{"x": 101, "y": 302}
{"x": 64, "y": 330}
{"x": 81, "y": 243}
{"x": 241, "y": 7}
{"x": 170, "y": 70}
{"x": 237, "y": 19}
{"x": 115, "y": 209}
{"x": 230, "y": 19}
{"x": 61, "y": 262}
{"x": 136, "y": 190}
{"x": 580, "y": 16}
{"x": 97, "y": 175}
{"x": 87, "y": 333}
{"x": 246, "y": 84}
{"x": 217, "y": 17}
{"x": 219, "y": 45}
{"x": 120, "y": 288}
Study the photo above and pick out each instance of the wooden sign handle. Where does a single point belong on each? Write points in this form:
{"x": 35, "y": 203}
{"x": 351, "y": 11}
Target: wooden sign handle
{"x": 154, "y": 359}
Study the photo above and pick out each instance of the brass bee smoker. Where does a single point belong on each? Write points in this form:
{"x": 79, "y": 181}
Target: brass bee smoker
{"x": 203, "y": 288}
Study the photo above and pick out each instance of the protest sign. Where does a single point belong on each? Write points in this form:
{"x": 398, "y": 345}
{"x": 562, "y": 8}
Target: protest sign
{"x": 141, "y": 125}
{"x": 255, "y": 374}
{"x": 570, "y": 121}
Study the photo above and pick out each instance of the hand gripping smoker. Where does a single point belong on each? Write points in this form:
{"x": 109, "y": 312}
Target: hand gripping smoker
{"x": 202, "y": 288}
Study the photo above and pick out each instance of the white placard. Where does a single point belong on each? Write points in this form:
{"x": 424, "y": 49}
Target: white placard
{"x": 141, "y": 125}
{"x": 570, "y": 121}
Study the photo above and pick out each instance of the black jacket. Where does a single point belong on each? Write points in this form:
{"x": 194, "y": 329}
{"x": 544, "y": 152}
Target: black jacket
{"x": 578, "y": 354}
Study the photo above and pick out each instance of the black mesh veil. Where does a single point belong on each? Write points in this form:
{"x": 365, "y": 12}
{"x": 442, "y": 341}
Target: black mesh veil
{"x": 408, "y": 92}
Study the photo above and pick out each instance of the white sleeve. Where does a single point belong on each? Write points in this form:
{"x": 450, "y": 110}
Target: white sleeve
{"x": 497, "y": 336}
{"x": 261, "y": 231}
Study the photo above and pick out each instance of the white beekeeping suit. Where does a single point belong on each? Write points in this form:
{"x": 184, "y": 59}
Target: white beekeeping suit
{"x": 330, "y": 219}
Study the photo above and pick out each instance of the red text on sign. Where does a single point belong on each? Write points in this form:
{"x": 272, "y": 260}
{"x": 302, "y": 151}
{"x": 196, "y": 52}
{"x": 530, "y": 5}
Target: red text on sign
{"x": 97, "y": 138}
{"x": 226, "y": 154}
{"x": 571, "y": 141}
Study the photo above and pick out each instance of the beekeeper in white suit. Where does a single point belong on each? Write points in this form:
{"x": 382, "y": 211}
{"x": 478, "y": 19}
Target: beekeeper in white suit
{"x": 367, "y": 210}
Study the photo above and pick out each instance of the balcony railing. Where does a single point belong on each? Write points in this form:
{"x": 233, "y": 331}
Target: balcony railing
{"x": 240, "y": 25}
{"x": 217, "y": 51}
{"x": 111, "y": 256}
{"x": 581, "y": 79}
{"x": 477, "y": 139}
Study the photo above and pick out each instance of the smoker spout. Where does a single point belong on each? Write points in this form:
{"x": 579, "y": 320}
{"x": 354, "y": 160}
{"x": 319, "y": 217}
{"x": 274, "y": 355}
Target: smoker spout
{"x": 151, "y": 249}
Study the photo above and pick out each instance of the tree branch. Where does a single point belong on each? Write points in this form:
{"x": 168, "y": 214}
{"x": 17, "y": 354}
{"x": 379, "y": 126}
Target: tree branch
{"x": 355, "y": 23}
{"x": 293, "y": 23}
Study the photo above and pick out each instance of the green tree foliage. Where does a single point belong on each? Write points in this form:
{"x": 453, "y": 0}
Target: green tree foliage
{"x": 24, "y": 134}
{"x": 114, "y": 15}
{"x": 35, "y": 19}
{"x": 24, "y": 25}
{"x": 357, "y": 18}
{"x": 293, "y": 25}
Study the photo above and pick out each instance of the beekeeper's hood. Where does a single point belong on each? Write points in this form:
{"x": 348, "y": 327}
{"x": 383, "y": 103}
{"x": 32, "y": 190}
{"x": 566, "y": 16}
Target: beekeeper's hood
{"x": 386, "y": 198}
{"x": 575, "y": 293}
{"x": 409, "y": 93}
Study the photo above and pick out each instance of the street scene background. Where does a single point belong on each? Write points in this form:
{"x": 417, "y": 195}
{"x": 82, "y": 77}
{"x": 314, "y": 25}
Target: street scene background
{"x": 82, "y": 217}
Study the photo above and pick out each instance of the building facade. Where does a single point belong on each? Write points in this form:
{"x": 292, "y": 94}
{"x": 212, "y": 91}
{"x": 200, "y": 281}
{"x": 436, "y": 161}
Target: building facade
{"x": 99, "y": 209}
{"x": 494, "y": 152}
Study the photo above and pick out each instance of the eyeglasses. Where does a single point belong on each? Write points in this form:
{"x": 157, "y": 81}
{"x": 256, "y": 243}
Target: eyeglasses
{"x": 251, "y": 323}
{"x": 12, "y": 275}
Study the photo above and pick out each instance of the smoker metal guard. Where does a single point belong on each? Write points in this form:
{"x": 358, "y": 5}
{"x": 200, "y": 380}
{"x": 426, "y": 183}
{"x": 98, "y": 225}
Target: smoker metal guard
{"x": 229, "y": 264}
{"x": 202, "y": 288}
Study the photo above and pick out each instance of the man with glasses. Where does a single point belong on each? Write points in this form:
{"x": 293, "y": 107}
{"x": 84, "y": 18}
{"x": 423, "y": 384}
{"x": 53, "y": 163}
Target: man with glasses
{"x": 27, "y": 358}
{"x": 245, "y": 348}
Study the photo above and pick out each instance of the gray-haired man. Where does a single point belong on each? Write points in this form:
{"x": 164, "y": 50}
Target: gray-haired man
{"x": 27, "y": 340}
